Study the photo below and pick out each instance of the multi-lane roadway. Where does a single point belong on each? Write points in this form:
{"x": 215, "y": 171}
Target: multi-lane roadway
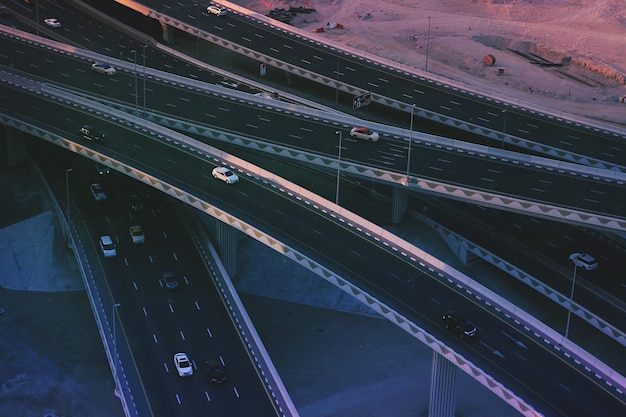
{"x": 464, "y": 168}
{"x": 510, "y": 353}
{"x": 174, "y": 169}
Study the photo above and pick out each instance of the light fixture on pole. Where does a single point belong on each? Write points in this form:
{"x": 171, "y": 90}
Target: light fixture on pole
{"x": 144, "y": 78}
{"x": 338, "y": 166}
{"x": 134, "y": 52}
{"x": 37, "y": 15}
{"x": 427, "y": 43}
{"x": 504, "y": 127}
{"x": 113, "y": 318}
{"x": 67, "y": 192}
{"x": 197, "y": 29}
{"x": 408, "y": 156}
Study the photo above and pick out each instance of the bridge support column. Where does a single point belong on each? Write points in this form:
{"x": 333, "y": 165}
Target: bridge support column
{"x": 442, "y": 387}
{"x": 168, "y": 33}
{"x": 399, "y": 204}
{"x": 226, "y": 237}
{"x": 13, "y": 150}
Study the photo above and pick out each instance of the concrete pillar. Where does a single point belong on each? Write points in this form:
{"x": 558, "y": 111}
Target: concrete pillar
{"x": 226, "y": 238}
{"x": 398, "y": 206}
{"x": 168, "y": 33}
{"x": 13, "y": 150}
{"x": 442, "y": 387}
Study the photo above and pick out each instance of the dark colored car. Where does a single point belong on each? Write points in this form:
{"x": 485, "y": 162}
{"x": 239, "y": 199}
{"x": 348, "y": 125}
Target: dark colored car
{"x": 3, "y": 10}
{"x": 459, "y": 325}
{"x": 215, "y": 371}
{"x": 91, "y": 133}
{"x": 169, "y": 280}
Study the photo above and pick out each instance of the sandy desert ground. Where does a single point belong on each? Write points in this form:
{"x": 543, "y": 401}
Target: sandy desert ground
{"x": 589, "y": 34}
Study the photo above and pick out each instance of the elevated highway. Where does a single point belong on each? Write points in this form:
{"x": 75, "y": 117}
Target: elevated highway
{"x": 479, "y": 174}
{"x": 287, "y": 207}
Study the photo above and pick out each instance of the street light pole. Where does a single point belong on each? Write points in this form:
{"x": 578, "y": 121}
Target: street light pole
{"x": 408, "y": 156}
{"x": 504, "y": 127}
{"x": 338, "y": 166}
{"x": 571, "y": 301}
{"x": 67, "y": 192}
{"x": 37, "y": 15}
{"x": 144, "y": 78}
{"x": 135, "y": 60}
{"x": 113, "y": 317}
{"x": 427, "y": 43}
{"x": 197, "y": 30}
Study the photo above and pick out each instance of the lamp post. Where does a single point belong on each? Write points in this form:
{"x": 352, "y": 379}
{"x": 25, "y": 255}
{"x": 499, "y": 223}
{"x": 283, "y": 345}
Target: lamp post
{"x": 504, "y": 127}
{"x": 338, "y": 166}
{"x": 408, "y": 156}
{"x": 113, "y": 317}
{"x": 135, "y": 61}
{"x": 427, "y": 43}
{"x": 197, "y": 30}
{"x": 144, "y": 78}
{"x": 337, "y": 83}
{"x": 67, "y": 193}
{"x": 571, "y": 301}
{"x": 37, "y": 15}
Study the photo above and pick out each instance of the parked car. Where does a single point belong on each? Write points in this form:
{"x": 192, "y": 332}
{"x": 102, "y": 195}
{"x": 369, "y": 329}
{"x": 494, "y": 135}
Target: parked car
{"x": 97, "y": 192}
{"x": 53, "y": 23}
{"x": 216, "y": 10}
{"x": 90, "y": 133}
{"x": 137, "y": 235}
{"x": 584, "y": 260}
{"x": 183, "y": 364}
{"x": 459, "y": 325}
{"x": 169, "y": 280}
{"x": 107, "y": 246}
{"x": 225, "y": 174}
{"x": 215, "y": 371}
{"x": 364, "y": 133}
{"x": 103, "y": 68}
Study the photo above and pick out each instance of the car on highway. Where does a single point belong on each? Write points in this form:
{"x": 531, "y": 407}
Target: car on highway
{"x": 4, "y": 10}
{"x": 183, "y": 364}
{"x": 169, "y": 280}
{"x": 584, "y": 260}
{"x": 97, "y": 192}
{"x": 135, "y": 202}
{"x": 137, "y": 234}
{"x": 102, "y": 68}
{"x": 225, "y": 174}
{"x": 53, "y": 23}
{"x": 459, "y": 325}
{"x": 364, "y": 133}
{"x": 107, "y": 246}
{"x": 216, "y": 10}
{"x": 215, "y": 371}
{"x": 91, "y": 133}
{"x": 102, "y": 169}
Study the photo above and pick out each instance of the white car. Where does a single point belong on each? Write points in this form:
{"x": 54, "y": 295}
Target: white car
{"x": 107, "y": 246}
{"x": 103, "y": 68}
{"x": 364, "y": 133}
{"x": 225, "y": 174}
{"x": 97, "y": 192}
{"x": 584, "y": 260}
{"x": 183, "y": 365}
{"x": 137, "y": 234}
{"x": 53, "y": 23}
{"x": 216, "y": 10}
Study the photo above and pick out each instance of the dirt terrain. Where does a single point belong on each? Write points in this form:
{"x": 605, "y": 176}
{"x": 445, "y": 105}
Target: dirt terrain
{"x": 560, "y": 54}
